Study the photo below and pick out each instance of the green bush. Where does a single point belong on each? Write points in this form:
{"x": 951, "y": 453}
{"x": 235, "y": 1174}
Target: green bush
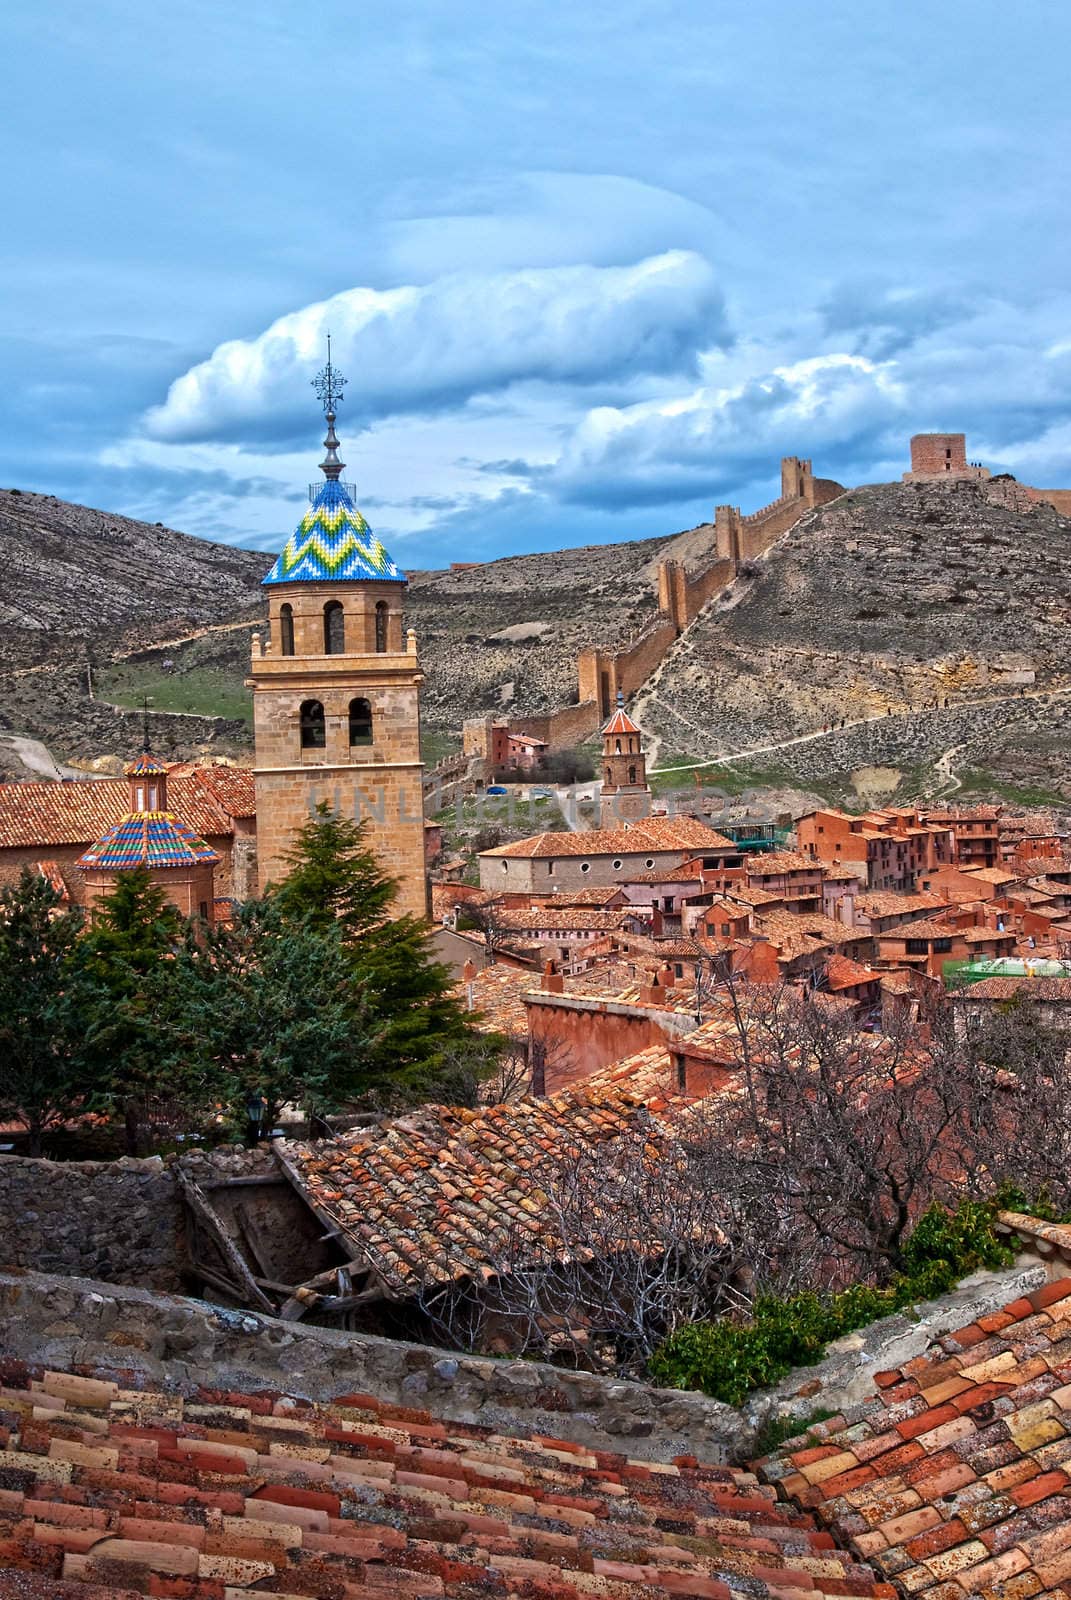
{"x": 728, "y": 1360}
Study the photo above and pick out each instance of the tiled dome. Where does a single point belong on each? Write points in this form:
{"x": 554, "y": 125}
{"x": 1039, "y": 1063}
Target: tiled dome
{"x": 333, "y": 542}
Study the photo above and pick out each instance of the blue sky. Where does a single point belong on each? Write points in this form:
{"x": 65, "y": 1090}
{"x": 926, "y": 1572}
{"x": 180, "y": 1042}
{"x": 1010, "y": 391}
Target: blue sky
{"x": 590, "y": 269}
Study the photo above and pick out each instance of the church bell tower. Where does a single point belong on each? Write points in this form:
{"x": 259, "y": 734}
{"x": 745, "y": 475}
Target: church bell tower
{"x": 336, "y": 685}
{"x": 625, "y": 795}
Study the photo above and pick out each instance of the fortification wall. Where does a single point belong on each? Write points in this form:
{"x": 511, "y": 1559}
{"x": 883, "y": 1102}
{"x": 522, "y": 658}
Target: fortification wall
{"x": 116, "y": 1220}
{"x": 601, "y": 673}
{"x": 561, "y": 729}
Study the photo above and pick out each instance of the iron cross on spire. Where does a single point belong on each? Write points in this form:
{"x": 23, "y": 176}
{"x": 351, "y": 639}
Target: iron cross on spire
{"x": 329, "y": 384}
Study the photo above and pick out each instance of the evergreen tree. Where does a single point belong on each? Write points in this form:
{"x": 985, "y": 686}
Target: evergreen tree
{"x": 128, "y": 958}
{"x": 416, "y": 1026}
{"x": 43, "y": 1062}
{"x": 271, "y": 1012}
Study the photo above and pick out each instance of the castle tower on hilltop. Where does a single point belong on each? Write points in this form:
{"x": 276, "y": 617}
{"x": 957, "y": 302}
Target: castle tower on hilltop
{"x": 624, "y": 795}
{"x": 336, "y": 687}
{"x": 151, "y": 836}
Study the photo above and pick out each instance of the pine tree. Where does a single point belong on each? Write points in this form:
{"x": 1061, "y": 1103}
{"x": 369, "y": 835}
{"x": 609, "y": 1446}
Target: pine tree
{"x": 416, "y": 1027}
{"x": 271, "y": 1012}
{"x": 127, "y": 956}
{"x": 44, "y": 1075}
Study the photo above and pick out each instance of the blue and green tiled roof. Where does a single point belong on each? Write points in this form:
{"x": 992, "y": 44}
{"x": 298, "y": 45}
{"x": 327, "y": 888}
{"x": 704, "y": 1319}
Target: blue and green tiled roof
{"x": 147, "y": 839}
{"x": 333, "y": 542}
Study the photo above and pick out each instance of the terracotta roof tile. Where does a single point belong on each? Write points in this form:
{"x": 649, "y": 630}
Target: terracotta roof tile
{"x": 957, "y": 1478}
{"x": 39, "y": 814}
{"x": 215, "y": 1496}
{"x": 652, "y": 834}
{"x": 495, "y": 1153}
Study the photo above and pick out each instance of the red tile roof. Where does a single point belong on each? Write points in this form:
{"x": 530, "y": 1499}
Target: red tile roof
{"x": 446, "y": 1192}
{"x": 110, "y": 1493}
{"x": 38, "y": 814}
{"x": 620, "y": 722}
{"x": 957, "y": 1481}
{"x": 652, "y": 834}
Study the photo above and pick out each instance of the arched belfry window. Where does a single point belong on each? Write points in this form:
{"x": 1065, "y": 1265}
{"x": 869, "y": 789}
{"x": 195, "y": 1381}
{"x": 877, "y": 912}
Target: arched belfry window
{"x": 360, "y": 722}
{"x": 334, "y": 629}
{"x": 286, "y": 630}
{"x": 632, "y": 774}
{"x": 382, "y": 611}
{"x": 313, "y": 725}
{"x": 609, "y": 776}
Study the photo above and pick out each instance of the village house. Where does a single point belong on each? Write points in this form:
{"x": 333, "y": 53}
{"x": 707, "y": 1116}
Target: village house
{"x": 893, "y": 846}
{"x": 931, "y": 943}
{"x": 975, "y": 832}
{"x": 551, "y": 862}
{"x": 55, "y": 824}
{"x": 976, "y": 1003}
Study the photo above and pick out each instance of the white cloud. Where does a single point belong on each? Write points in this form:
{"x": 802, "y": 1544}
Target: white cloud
{"x": 666, "y": 449}
{"x": 433, "y": 347}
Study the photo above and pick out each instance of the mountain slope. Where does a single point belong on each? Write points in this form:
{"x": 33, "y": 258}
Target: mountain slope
{"x": 894, "y": 599}
{"x": 72, "y": 571}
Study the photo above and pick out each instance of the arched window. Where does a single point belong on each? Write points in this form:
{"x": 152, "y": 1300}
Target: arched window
{"x": 609, "y": 776}
{"x": 334, "y": 629}
{"x": 632, "y": 774}
{"x": 360, "y": 722}
{"x": 382, "y": 611}
{"x": 313, "y": 726}
{"x": 617, "y": 747}
{"x": 286, "y": 630}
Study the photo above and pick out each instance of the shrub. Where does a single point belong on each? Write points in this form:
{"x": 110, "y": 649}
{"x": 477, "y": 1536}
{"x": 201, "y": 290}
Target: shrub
{"x": 728, "y": 1360}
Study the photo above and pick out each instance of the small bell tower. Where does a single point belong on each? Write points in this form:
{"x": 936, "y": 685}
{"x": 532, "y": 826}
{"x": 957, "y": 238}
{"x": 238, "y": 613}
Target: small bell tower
{"x": 625, "y": 795}
{"x": 336, "y": 685}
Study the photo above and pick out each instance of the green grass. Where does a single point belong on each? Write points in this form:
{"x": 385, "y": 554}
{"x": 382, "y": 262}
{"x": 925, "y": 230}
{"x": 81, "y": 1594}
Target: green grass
{"x": 436, "y": 745}
{"x": 203, "y": 691}
{"x": 734, "y": 780}
{"x": 977, "y": 782}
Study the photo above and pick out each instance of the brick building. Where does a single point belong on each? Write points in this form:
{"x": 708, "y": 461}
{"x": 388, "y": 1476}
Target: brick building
{"x": 891, "y": 848}
{"x": 53, "y": 824}
{"x": 151, "y": 836}
{"x": 549, "y": 862}
{"x": 624, "y": 794}
{"x": 336, "y": 689}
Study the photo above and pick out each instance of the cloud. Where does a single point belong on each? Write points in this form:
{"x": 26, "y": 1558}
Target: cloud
{"x": 424, "y": 349}
{"x": 712, "y": 438}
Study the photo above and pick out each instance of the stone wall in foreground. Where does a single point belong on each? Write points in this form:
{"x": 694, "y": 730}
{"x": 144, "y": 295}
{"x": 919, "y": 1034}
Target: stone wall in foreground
{"x": 113, "y": 1331}
{"x": 118, "y": 1221}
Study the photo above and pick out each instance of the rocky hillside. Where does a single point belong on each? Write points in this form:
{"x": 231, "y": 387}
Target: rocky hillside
{"x": 71, "y": 572}
{"x": 506, "y": 634}
{"x": 81, "y": 586}
{"x": 888, "y": 603}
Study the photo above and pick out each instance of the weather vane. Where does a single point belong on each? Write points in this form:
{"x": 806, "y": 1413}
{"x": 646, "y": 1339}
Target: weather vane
{"x": 329, "y": 384}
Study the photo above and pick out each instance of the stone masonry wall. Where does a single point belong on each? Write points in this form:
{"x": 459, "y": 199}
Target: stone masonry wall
{"x": 113, "y": 1331}
{"x": 115, "y": 1220}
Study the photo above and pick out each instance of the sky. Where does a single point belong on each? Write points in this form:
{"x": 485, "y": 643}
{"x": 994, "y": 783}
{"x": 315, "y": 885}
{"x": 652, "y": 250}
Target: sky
{"x": 589, "y": 269}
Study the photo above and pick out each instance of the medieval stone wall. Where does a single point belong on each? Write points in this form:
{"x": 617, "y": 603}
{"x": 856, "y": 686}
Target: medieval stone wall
{"x": 115, "y": 1220}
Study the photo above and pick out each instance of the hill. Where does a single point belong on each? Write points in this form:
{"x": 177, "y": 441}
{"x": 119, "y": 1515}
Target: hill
{"x": 928, "y": 618}
{"x": 931, "y": 615}
{"x": 82, "y": 586}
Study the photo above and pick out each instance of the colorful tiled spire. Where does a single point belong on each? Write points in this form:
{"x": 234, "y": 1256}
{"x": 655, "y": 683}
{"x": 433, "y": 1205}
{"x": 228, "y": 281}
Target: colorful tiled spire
{"x": 147, "y": 839}
{"x": 333, "y": 542}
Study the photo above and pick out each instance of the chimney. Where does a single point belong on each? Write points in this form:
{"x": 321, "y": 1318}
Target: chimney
{"x": 553, "y": 982}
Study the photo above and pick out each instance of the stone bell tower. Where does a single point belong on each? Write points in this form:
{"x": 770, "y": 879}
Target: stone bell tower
{"x": 624, "y": 795}
{"x": 336, "y": 686}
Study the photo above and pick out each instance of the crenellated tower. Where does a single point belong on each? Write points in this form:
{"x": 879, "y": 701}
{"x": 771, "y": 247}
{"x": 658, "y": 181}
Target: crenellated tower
{"x": 336, "y": 685}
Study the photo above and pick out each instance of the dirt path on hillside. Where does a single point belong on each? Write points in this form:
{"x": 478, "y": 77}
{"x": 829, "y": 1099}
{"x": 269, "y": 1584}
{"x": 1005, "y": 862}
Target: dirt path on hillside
{"x": 862, "y": 722}
{"x": 141, "y": 649}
